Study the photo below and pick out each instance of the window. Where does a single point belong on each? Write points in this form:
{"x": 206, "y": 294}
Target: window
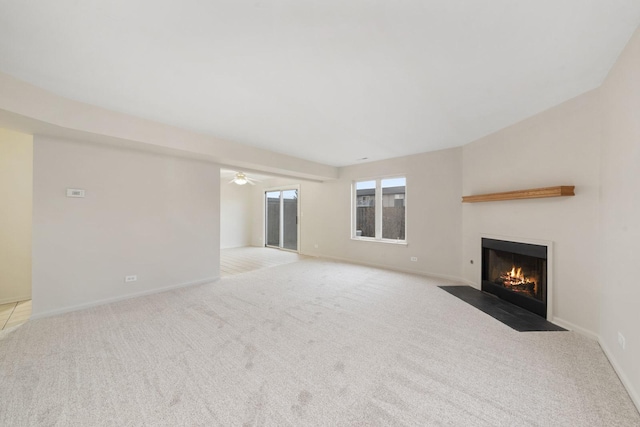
{"x": 386, "y": 219}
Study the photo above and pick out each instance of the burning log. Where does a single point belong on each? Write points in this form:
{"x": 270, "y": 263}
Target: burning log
{"x": 516, "y": 281}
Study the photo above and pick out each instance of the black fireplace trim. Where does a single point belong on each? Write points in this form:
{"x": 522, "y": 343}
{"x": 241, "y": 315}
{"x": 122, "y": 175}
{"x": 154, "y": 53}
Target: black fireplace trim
{"x": 528, "y": 249}
{"x": 533, "y": 305}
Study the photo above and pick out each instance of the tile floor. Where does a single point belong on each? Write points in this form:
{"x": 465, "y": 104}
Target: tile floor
{"x": 241, "y": 260}
{"x": 14, "y": 314}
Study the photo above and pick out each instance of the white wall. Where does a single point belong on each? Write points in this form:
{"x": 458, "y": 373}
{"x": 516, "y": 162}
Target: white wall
{"x": 434, "y": 217}
{"x": 560, "y": 146}
{"x": 620, "y": 217}
{"x": 16, "y": 176}
{"x": 258, "y": 210}
{"x": 144, "y": 214}
{"x": 236, "y": 211}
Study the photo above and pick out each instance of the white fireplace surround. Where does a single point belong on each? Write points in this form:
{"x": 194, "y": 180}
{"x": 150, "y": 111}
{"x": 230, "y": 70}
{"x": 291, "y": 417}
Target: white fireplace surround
{"x": 550, "y": 275}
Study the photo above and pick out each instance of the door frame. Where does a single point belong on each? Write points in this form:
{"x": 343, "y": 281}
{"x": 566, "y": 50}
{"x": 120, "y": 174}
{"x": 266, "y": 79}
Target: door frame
{"x": 264, "y": 216}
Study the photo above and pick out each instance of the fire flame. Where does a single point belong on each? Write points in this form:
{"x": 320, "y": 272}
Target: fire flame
{"x": 516, "y": 281}
{"x": 517, "y": 274}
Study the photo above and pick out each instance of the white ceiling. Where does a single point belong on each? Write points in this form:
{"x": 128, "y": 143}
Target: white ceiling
{"x": 330, "y": 81}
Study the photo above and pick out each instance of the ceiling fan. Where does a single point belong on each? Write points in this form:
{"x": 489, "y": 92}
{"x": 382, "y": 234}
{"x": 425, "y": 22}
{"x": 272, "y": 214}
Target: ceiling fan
{"x": 242, "y": 179}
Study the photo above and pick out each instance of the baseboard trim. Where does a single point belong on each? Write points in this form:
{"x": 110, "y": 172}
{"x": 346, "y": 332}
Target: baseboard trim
{"x": 15, "y": 299}
{"x": 96, "y": 303}
{"x": 391, "y": 268}
{"x": 575, "y": 328}
{"x": 556, "y": 320}
{"x": 633, "y": 394}
{"x": 474, "y": 285}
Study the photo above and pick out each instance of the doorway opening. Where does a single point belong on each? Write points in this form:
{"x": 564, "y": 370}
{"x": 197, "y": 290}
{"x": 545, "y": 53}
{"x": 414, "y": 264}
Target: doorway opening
{"x": 16, "y": 187}
{"x": 281, "y": 219}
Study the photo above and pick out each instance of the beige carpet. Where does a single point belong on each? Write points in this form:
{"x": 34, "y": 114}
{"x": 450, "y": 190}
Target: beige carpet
{"x": 308, "y": 343}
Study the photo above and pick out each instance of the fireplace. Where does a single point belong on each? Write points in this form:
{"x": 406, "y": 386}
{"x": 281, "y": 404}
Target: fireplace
{"x": 516, "y": 272}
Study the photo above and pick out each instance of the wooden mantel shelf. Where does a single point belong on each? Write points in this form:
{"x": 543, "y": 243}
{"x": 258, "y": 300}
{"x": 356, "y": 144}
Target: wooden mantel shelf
{"x": 534, "y": 193}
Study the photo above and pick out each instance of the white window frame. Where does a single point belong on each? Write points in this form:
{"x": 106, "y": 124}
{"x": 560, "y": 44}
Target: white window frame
{"x": 378, "y": 212}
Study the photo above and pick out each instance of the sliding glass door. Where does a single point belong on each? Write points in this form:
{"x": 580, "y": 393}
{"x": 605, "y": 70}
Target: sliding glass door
{"x": 289, "y": 239}
{"x": 281, "y": 219}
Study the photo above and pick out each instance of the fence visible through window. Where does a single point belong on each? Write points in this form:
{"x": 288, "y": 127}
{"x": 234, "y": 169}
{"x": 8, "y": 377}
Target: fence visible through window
{"x": 393, "y": 208}
{"x": 282, "y": 219}
{"x": 366, "y": 209}
{"x": 385, "y": 198}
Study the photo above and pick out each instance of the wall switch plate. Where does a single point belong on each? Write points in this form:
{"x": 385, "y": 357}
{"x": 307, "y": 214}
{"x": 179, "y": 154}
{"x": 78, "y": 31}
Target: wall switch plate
{"x": 75, "y": 192}
{"x": 622, "y": 341}
{"x": 130, "y": 278}
{"x": 414, "y": 258}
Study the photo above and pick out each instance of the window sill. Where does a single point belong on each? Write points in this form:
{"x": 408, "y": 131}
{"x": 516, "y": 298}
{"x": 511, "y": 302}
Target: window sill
{"x": 387, "y": 241}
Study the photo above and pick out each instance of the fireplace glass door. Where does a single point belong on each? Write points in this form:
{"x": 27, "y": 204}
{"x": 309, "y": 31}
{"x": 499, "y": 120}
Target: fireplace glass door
{"x": 516, "y": 272}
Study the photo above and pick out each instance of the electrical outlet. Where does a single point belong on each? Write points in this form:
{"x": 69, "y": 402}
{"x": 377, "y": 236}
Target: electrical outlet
{"x": 622, "y": 341}
{"x": 414, "y": 258}
{"x": 130, "y": 278}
